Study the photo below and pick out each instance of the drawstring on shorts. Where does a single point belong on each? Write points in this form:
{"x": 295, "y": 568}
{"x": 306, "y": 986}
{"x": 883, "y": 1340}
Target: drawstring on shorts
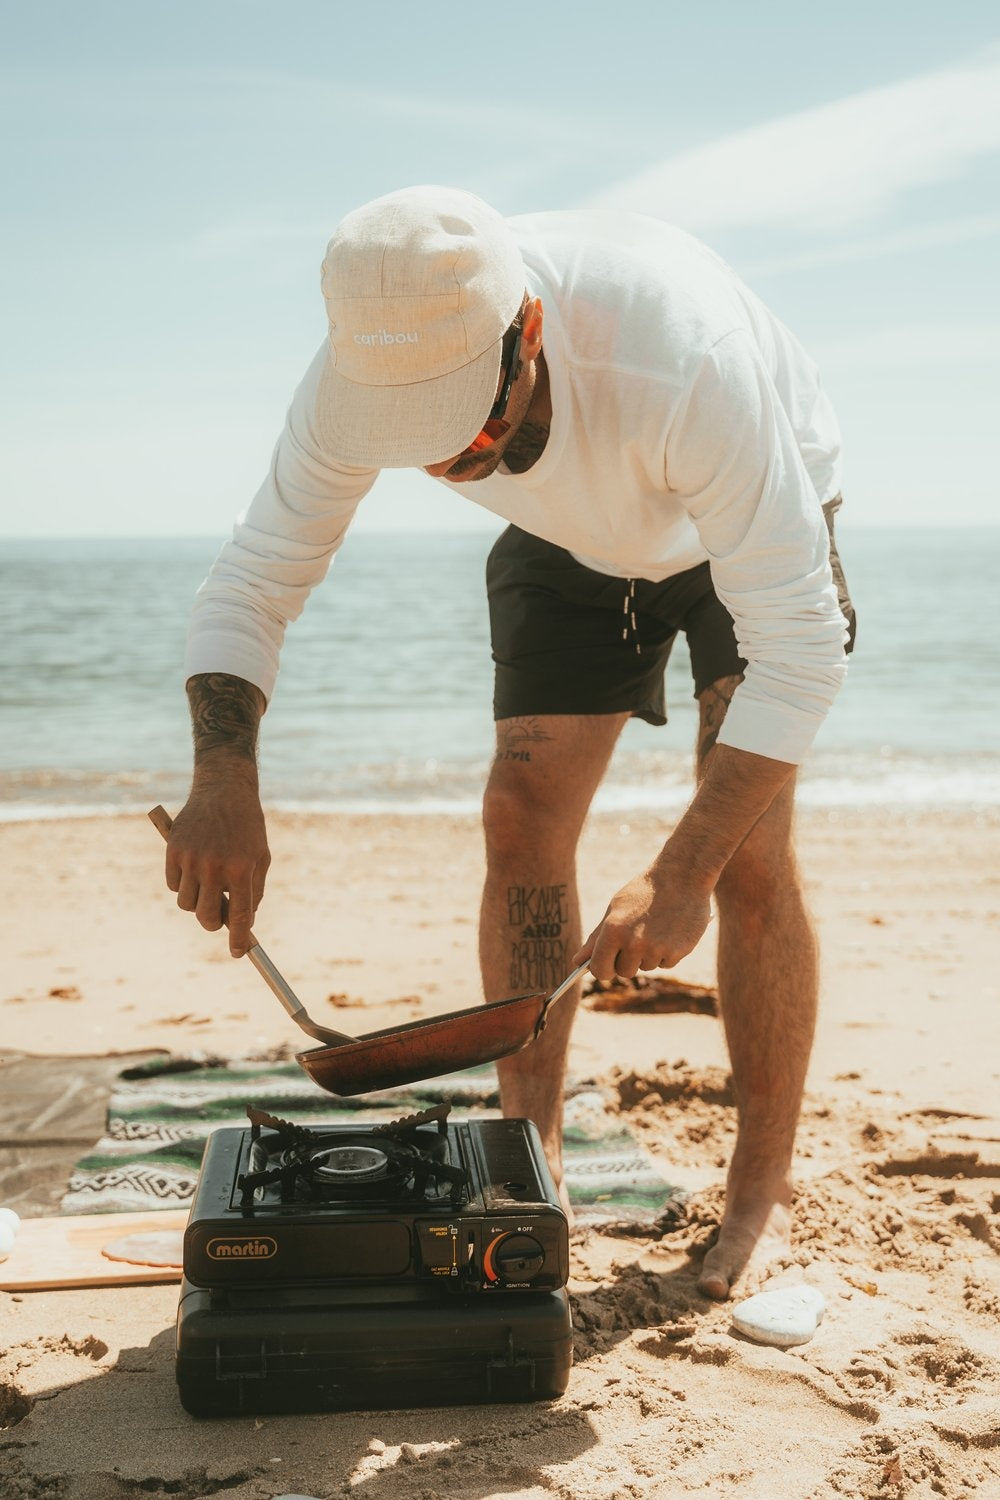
{"x": 628, "y": 609}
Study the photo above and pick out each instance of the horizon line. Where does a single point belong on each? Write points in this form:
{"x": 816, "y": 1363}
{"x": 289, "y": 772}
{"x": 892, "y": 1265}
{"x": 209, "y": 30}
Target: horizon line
{"x": 844, "y": 523}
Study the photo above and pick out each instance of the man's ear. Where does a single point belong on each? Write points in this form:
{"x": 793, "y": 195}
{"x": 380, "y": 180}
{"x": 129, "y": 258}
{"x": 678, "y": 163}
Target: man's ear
{"x": 531, "y": 335}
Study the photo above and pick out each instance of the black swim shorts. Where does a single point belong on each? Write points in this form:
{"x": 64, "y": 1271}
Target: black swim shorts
{"x": 567, "y": 640}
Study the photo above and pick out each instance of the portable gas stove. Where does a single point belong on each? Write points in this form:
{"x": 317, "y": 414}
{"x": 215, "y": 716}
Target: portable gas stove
{"x": 419, "y": 1262}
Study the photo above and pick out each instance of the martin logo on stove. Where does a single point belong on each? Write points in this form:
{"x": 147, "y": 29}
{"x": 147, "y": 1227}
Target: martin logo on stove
{"x": 242, "y": 1247}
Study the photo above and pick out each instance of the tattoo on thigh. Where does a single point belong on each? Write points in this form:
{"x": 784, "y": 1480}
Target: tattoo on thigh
{"x": 538, "y": 915}
{"x": 713, "y": 703}
{"x": 515, "y": 736}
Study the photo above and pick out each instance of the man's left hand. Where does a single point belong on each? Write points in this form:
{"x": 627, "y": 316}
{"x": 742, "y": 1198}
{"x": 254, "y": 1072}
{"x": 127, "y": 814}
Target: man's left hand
{"x": 652, "y": 923}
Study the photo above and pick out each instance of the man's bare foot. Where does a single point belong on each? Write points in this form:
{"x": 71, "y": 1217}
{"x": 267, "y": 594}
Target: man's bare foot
{"x": 755, "y": 1230}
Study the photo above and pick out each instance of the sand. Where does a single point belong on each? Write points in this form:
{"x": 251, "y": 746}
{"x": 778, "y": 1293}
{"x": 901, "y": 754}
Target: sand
{"x": 374, "y": 920}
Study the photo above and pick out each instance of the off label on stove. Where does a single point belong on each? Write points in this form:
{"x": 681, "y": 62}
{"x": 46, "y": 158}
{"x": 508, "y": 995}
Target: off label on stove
{"x": 242, "y": 1247}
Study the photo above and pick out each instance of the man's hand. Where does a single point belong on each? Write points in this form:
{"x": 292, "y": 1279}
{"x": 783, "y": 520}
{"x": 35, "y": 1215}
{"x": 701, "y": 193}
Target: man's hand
{"x": 217, "y": 847}
{"x": 652, "y": 923}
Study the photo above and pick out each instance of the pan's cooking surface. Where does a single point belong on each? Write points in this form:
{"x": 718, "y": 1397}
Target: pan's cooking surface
{"x": 427, "y": 1048}
{"x": 427, "y": 1023}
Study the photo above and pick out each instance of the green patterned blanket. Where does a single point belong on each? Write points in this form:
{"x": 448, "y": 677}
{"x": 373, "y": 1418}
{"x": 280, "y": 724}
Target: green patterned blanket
{"x": 161, "y": 1113}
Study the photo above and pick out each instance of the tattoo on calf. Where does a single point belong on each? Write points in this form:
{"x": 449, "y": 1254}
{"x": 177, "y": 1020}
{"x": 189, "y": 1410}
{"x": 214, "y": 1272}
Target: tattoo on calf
{"x": 225, "y": 711}
{"x": 538, "y": 954}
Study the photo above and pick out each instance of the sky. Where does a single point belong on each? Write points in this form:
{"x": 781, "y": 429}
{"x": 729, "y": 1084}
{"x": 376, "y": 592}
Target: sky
{"x": 170, "y": 176}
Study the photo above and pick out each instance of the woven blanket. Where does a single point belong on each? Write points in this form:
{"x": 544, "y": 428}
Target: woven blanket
{"x": 161, "y": 1113}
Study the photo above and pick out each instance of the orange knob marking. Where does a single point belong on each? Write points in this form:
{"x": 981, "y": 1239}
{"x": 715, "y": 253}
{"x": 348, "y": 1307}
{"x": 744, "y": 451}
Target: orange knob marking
{"x": 488, "y": 1271}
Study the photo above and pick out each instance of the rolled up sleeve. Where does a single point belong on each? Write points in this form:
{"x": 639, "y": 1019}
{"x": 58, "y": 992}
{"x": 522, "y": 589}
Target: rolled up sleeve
{"x": 281, "y": 548}
{"x": 733, "y": 462}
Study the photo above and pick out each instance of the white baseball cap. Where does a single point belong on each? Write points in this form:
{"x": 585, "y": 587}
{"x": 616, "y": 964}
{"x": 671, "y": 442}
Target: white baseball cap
{"x": 420, "y": 288}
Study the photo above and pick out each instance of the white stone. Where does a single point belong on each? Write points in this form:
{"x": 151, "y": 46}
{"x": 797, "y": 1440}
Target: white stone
{"x": 9, "y": 1217}
{"x": 784, "y": 1316}
{"x": 6, "y": 1240}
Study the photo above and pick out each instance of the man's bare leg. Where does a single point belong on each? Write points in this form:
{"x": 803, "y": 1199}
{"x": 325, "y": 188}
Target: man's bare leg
{"x": 546, "y": 771}
{"x": 768, "y": 985}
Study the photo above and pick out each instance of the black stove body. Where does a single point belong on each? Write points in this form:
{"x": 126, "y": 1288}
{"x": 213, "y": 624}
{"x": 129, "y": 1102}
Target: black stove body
{"x": 421, "y": 1262}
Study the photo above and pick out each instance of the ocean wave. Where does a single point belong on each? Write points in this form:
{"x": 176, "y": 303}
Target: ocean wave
{"x": 637, "y": 781}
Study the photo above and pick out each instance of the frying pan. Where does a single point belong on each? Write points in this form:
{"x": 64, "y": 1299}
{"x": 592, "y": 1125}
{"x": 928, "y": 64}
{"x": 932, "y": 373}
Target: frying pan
{"x": 405, "y": 1054}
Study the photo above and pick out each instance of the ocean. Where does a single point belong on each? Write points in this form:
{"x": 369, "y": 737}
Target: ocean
{"x": 384, "y": 698}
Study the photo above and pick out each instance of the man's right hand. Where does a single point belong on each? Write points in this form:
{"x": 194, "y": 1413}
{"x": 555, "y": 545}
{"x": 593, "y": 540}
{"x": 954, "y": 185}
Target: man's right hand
{"x": 218, "y": 847}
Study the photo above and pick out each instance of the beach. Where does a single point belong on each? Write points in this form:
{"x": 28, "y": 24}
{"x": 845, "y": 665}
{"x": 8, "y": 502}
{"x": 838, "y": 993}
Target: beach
{"x": 372, "y": 918}
{"x": 745, "y": 279}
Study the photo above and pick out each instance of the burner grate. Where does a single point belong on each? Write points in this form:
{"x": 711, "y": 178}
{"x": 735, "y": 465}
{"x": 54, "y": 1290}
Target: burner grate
{"x": 399, "y": 1162}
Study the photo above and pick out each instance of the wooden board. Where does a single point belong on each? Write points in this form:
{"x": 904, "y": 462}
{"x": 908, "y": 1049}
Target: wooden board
{"x": 66, "y": 1250}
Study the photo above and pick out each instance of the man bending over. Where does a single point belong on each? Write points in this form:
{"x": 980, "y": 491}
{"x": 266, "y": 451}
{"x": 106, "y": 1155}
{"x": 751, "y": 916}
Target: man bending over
{"x": 667, "y": 461}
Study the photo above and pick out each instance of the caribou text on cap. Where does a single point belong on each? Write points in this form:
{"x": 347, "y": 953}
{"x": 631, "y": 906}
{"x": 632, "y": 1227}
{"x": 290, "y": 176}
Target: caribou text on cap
{"x": 383, "y": 336}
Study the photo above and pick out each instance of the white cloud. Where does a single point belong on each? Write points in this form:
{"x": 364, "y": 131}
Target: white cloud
{"x": 821, "y": 169}
{"x": 957, "y": 231}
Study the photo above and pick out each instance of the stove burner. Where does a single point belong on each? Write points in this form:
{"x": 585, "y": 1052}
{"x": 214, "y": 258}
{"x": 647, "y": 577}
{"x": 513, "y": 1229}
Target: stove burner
{"x": 393, "y": 1164}
{"x": 353, "y": 1163}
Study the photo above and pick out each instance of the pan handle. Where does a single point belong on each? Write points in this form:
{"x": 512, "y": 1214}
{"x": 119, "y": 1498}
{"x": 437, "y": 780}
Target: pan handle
{"x": 557, "y": 994}
{"x": 162, "y": 822}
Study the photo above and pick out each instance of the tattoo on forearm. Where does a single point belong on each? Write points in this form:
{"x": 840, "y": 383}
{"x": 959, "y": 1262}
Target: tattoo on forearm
{"x": 537, "y": 914}
{"x": 714, "y": 702}
{"x": 516, "y": 735}
{"x": 225, "y": 711}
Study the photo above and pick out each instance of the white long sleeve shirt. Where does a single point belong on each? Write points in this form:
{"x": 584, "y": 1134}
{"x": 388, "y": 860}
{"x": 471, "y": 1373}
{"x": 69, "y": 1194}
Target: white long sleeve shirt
{"x": 687, "y": 425}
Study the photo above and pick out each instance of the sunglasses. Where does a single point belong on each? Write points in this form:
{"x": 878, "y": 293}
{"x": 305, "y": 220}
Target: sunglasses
{"x": 494, "y": 427}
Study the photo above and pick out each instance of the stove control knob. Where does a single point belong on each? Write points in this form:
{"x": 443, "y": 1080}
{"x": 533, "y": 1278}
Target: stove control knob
{"x": 518, "y": 1257}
